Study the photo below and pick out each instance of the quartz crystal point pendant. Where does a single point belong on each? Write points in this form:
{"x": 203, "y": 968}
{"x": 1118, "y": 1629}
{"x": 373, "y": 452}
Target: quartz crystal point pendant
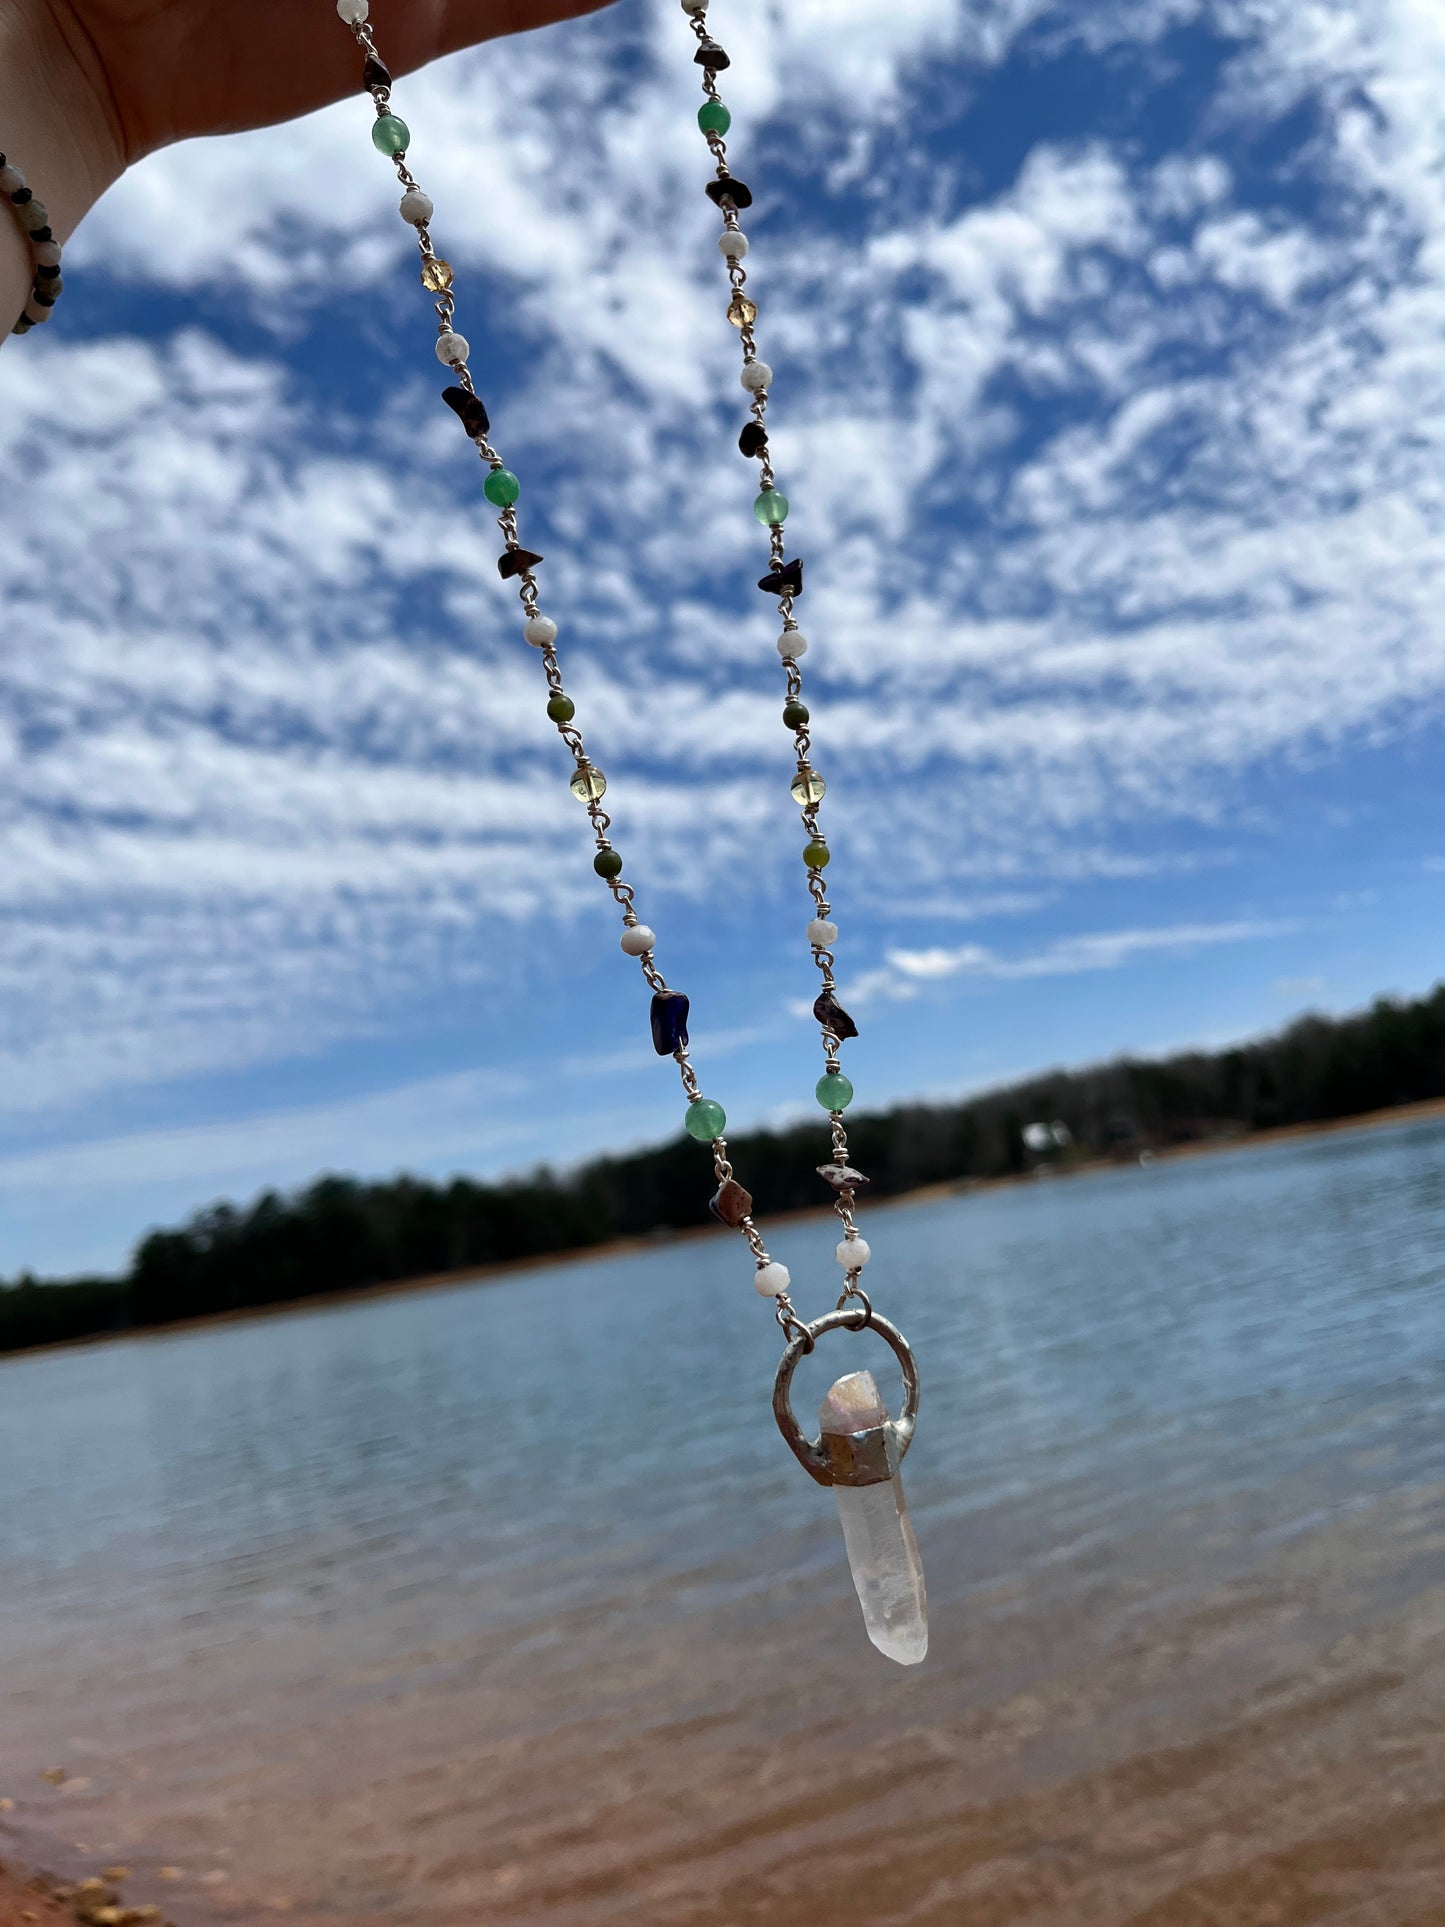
{"x": 859, "y": 1455}
{"x": 877, "y": 1531}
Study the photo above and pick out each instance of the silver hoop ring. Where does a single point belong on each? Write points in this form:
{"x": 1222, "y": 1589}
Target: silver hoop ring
{"x": 809, "y": 1452}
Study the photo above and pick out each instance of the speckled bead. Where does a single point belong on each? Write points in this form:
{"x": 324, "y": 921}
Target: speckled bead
{"x": 756, "y": 376}
{"x": 452, "y": 348}
{"x": 792, "y": 643}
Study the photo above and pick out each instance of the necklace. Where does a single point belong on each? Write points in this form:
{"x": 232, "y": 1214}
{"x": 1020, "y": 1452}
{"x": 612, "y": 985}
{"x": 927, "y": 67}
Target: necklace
{"x": 860, "y": 1447}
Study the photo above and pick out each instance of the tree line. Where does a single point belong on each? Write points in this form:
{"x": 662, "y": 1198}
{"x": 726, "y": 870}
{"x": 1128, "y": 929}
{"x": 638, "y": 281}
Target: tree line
{"x": 340, "y": 1233}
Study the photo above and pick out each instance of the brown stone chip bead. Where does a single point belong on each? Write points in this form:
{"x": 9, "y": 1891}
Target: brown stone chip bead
{"x": 731, "y": 1204}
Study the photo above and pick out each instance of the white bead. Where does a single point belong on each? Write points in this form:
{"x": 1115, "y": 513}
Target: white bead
{"x": 771, "y": 1279}
{"x": 637, "y": 940}
{"x": 792, "y": 642}
{"x": 539, "y": 631}
{"x": 353, "y": 12}
{"x": 756, "y": 376}
{"x": 694, "y": 6}
{"x": 453, "y": 348}
{"x": 37, "y": 312}
{"x": 733, "y": 244}
{"x": 47, "y": 254}
{"x": 822, "y": 933}
{"x": 11, "y": 179}
{"x": 853, "y": 1253}
{"x": 416, "y": 207}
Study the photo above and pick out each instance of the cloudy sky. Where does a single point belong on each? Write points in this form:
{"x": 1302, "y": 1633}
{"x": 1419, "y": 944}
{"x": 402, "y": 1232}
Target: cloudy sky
{"x": 1109, "y": 342}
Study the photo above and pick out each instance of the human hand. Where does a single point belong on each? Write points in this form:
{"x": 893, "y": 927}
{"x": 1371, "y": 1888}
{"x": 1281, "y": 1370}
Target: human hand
{"x": 89, "y": 86}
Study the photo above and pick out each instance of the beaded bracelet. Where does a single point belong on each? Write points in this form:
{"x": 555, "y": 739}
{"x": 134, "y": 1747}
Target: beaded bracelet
{"x": 35, "y": 222}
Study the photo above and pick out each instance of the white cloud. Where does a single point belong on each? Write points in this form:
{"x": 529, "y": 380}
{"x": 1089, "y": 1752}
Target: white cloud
{"x": 907, "y": 971}
{"x": 272, "y": 748}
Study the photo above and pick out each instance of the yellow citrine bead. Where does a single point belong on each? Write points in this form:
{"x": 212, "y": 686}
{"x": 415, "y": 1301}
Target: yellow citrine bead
{"x": 808, "y": 788}
{"x": 436, "y": 274}
{"x": 742, "y": 313}
{"x": 588, "y": 785}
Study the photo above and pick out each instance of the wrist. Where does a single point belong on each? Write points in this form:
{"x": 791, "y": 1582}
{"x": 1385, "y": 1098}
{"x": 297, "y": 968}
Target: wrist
{"x": 55, "y": 127}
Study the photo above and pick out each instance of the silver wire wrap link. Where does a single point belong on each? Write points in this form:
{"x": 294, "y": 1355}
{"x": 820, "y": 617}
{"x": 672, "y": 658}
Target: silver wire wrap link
{"x": 622, "y": 893}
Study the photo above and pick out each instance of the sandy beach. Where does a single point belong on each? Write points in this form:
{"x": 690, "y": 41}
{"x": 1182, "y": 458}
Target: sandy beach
{"x": 27, "y": 1898}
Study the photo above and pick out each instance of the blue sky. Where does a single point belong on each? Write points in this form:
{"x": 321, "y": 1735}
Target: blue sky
{"x": 1109, "y": 343}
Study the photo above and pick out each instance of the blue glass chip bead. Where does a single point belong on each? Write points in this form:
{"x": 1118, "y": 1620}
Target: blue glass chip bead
{"x": 669, "y": 1022}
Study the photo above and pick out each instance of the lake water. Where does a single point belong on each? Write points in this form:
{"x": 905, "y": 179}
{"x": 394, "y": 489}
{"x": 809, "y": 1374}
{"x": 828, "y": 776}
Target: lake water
{"x": 506, "y": 1603}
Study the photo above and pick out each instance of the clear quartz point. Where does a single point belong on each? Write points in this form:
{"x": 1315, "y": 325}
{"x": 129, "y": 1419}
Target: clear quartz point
{"x": 878, "y": 1533}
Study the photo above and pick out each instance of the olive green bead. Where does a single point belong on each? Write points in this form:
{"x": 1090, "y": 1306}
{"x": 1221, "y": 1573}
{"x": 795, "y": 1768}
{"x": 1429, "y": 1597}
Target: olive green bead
{"x": 835, "y": 1093}
{"x": 608, "y": 863}
{"x": 795, "y": 715}
{"x": 561, "y": 709}
{"x": 817, "y": 855}
{"x": 390, "y": 135}
{"x": 705, "y": 1120}
{"x": 713, "y": 117}
{"x": 501, "y": 488}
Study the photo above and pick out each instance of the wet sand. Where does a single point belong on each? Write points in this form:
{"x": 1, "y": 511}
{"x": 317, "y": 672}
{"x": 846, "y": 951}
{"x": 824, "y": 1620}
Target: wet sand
{"x": 27, "y": 1898}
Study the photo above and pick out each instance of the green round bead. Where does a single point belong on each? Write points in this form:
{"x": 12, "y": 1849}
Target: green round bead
{"x": 390, "y": 135}
{"x": 817, "y": 855}
{"x": 705, "y": 1120}
{"x": 771, "y": 507}
{"x": 795, "y": 715}
{"x": 607, "y": 863}
{"x": 835, "y": 1093}
{"x": 561, "y": 709}
{"x": 713, "y": 117}
{"x": 501, "y": 488}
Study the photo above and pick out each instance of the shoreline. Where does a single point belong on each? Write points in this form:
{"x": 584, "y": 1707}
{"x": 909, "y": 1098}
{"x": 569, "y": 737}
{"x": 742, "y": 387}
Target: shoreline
{"x": 650, "y": 1241}
{"x": 27, "y": 1898}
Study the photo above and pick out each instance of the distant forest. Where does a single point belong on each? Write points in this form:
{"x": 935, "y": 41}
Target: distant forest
{"x": 340, "y": 1233}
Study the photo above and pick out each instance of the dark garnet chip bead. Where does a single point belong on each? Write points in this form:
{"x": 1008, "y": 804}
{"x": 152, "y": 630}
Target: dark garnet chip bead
{"x": 728, "y": 188}
{"x": 669, "y": 1022}
{"x": 516, "y": 562}
{"x": 469, "y": 407}
{"x": 730, "y": 1204}
{"x": 785, "y": 581}
{"x": 832, "y": 1016}
{"x": 710, "y": 54}
{"x": 375, "y": 73}
{"x": 754, "y": 438}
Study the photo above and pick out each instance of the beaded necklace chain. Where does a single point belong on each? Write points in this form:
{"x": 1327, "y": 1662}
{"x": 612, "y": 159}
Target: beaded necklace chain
{"x": 860, "y": 1448}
